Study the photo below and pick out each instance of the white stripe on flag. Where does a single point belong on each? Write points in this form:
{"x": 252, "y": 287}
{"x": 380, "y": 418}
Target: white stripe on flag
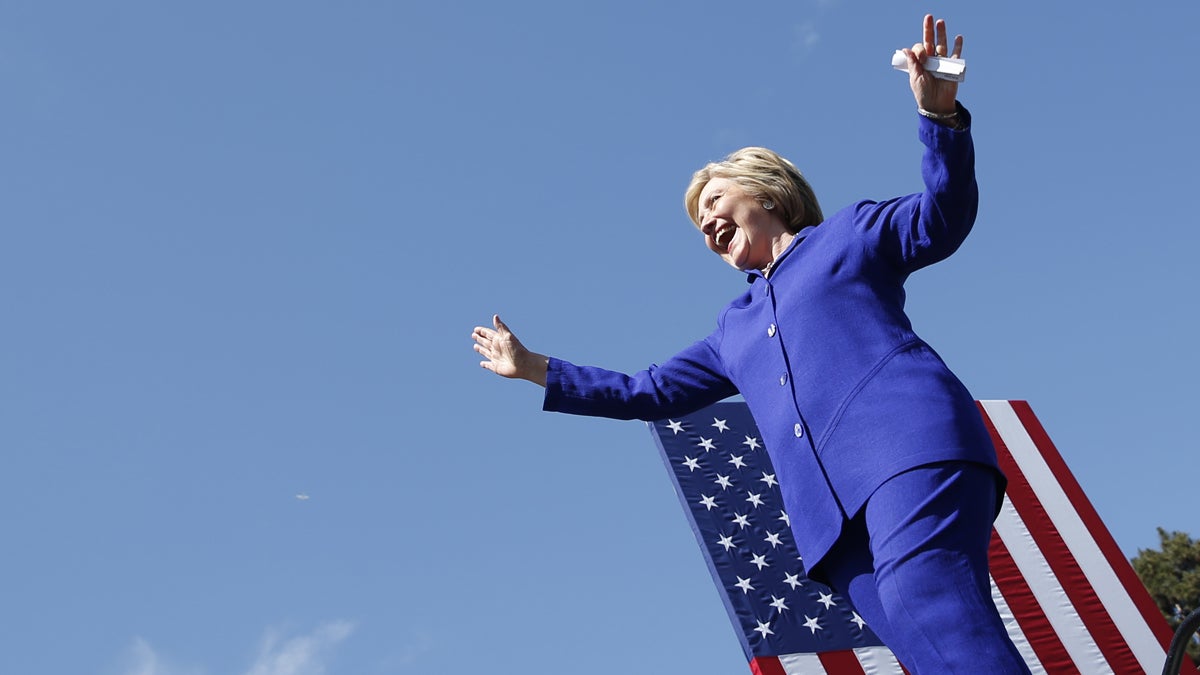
{"x": 1048, "y": 591}
{"x": 802, "y": 664}
{"x": 1014, "y": 631}
{"x": 878, "y": 661}
{"x": 1112, "y": 594}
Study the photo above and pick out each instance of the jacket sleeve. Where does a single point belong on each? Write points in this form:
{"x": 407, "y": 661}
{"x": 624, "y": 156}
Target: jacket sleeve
{"x": 921, "y": 229}
{"x": 686, "y": 382}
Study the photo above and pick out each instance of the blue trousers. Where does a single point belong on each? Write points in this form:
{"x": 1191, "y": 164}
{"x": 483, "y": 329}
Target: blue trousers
{"x": 914, "y": 561}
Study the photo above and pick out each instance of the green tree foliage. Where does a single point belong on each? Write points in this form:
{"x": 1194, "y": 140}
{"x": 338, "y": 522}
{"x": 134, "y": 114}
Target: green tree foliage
{"x": 1172, "y": 576}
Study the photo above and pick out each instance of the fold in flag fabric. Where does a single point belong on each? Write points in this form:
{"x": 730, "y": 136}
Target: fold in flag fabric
{"x": 1070, "y": 599}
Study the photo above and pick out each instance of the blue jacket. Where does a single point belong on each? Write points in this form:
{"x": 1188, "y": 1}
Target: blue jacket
{"x": 845, "y": 394}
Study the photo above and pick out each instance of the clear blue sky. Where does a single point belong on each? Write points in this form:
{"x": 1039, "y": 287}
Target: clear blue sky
{"x": 244, "y": 244}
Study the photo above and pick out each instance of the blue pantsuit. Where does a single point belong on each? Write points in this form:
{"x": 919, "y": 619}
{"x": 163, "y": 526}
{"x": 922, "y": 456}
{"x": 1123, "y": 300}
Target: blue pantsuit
{"x": 849, "y": 399}
{"x": 914, "y": 563}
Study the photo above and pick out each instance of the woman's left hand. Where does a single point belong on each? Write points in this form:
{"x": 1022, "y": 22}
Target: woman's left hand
{"x": 933, "y": 94}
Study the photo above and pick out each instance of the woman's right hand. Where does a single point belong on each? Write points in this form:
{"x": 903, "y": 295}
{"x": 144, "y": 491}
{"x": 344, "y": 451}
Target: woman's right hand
{"x": 506, "y": 356}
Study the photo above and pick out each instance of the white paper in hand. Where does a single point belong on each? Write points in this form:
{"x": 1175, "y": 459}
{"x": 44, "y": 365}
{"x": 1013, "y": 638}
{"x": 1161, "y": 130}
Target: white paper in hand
{"x": 941, "y": 67}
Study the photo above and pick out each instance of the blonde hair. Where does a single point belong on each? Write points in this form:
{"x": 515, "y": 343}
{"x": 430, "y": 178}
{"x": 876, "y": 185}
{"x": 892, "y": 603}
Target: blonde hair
{"x": 761, "y": 174}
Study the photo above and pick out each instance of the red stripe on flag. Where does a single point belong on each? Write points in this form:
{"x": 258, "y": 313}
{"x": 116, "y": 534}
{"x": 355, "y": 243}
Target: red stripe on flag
{"x": 1108, "y": 546}
{"x": 1074, "y": 582}
{"x": 841, "y": 661}
{"x": 1025, "y": 608}
{"x": 766, "y": 665}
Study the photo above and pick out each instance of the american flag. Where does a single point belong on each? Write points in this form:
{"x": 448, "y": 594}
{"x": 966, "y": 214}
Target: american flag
{"x": 1071, "y": 601}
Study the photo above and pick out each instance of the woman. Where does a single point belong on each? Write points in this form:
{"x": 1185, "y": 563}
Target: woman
{"x": 875, "y": 442}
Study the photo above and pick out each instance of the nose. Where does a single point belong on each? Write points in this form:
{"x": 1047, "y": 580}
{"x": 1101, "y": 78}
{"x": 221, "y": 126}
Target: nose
{"x": 708, "y": 225}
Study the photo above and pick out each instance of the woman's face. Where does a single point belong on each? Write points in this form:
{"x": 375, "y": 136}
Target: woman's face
{"x": 737, "y": 227}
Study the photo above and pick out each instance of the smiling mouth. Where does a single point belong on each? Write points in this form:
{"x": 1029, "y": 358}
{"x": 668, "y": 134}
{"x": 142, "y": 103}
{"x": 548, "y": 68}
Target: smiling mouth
{"x": 722, "y": 238}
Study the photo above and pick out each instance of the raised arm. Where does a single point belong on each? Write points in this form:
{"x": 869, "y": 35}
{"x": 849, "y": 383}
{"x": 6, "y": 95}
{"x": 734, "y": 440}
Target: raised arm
{"x": 920, "y": 229}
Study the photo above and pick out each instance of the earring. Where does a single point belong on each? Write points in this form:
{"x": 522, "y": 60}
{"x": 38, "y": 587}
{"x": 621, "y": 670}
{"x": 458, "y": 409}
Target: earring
{"x": 768, "y": 204}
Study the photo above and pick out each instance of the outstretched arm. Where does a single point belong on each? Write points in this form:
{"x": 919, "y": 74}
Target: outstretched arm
{"x": 505, "y": 355}
{"x": 686, "y": 382}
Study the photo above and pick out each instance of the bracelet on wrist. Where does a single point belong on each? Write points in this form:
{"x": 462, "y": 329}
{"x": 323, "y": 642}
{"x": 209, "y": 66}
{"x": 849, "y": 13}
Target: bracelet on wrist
{"x": 938, "y": 117}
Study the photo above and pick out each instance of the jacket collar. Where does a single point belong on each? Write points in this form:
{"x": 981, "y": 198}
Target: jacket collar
{"x": 751, "y": 275}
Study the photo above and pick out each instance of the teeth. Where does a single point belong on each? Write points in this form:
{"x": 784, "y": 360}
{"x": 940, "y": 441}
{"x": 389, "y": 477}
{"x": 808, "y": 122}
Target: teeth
{"x": 719, "y": 240}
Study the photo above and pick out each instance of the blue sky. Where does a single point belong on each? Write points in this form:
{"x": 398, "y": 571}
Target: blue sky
{"x": 244, "y": 244}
